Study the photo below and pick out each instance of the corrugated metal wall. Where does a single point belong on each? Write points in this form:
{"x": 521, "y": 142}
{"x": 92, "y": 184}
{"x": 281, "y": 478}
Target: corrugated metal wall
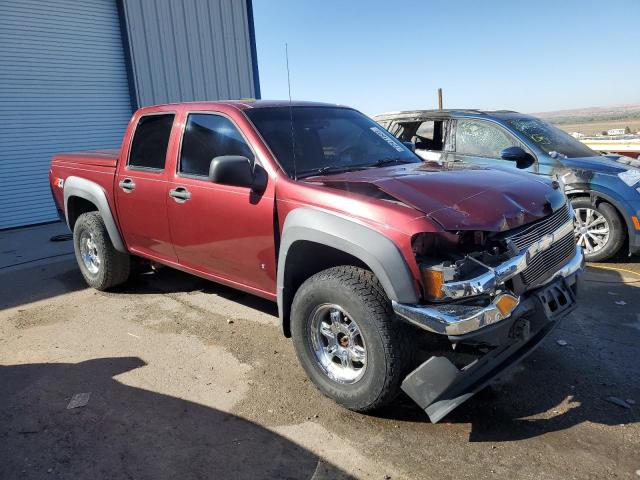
{"x": 191, "y": 50}
{"x": 63, "y": 86}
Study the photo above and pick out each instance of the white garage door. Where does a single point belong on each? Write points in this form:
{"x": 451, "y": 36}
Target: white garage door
{"x": 63, "y": 86}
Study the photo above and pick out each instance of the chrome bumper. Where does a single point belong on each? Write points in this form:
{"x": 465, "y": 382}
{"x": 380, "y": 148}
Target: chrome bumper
{"x": 460, "y": 319}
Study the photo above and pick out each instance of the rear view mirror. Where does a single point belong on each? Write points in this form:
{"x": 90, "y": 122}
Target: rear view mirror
{"x": 237, "y": 171}
{"x": 518, "y": 155}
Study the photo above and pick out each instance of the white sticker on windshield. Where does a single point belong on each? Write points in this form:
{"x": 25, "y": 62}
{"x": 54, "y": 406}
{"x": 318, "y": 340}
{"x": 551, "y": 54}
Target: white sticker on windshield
{"x": 387, "y": 138}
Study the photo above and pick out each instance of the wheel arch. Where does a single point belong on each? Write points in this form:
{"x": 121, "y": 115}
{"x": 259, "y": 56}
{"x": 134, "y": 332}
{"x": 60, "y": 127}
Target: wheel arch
{"x": 81, "y": 196}
{"x": 313, "y": 240}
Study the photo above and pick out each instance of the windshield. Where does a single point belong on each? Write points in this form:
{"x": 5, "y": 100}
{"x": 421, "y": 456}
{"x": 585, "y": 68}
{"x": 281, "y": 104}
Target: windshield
{"x": 326, "y": 139}
{"x": 551, "y": 139}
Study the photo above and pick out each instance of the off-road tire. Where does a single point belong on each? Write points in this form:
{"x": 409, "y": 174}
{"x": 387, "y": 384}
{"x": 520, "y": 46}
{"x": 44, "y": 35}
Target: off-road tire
{"x": 617, "y": 233}
{"x": 114, "y": 265}
{"x": 387, "y": 338}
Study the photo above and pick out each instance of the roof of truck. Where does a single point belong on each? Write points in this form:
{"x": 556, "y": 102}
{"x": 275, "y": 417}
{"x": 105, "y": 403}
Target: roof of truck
{"x": 247, "y": 103}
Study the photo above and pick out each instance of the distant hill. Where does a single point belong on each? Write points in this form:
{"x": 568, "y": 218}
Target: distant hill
{"x": 594, "y": 120}
{"x": 615, "y": 113}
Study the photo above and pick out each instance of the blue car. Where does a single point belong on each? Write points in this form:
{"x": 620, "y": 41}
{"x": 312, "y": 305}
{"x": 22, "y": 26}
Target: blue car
{"x": 604, "y": 190}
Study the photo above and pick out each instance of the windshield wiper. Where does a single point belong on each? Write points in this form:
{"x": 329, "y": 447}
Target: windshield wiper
{"x": 348, "y": 168}
{"x": 329, "y": 169}
{"x": 388, "y": 161}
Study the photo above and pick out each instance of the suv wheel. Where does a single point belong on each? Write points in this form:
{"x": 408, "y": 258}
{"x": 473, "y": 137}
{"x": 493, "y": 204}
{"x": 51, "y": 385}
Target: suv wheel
{"x": 102, "y": 266}
{"x": 347, "y": 338}
{"x": 598, "y": 229}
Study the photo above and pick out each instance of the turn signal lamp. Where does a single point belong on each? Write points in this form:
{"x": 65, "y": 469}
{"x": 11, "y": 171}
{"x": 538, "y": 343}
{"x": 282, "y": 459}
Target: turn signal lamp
{"x": 432, "y": 280}
{"x": 506, "y": 303}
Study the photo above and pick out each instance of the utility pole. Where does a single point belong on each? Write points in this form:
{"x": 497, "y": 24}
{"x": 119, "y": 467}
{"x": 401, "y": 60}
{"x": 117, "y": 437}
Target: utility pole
{"x": 439, "y": 99}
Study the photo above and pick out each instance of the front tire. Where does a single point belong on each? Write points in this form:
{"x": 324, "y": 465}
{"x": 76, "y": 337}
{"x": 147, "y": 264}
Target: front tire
{"x": 347, "y": 338}
{"x": 102, "y": 266}
{"x": 598, "y": 229}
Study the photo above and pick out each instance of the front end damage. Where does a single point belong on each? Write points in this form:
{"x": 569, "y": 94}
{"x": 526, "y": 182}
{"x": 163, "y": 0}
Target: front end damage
{"x": 493, "y": 297}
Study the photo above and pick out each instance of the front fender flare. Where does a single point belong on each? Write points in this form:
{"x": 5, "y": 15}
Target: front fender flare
{"x": 94, "y": 193}
{"x": 374, "y": 249}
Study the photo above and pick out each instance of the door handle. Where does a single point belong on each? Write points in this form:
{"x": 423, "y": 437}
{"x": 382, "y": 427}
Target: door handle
{"x": 127, "y": 185}
{"x": 180, "y": 194}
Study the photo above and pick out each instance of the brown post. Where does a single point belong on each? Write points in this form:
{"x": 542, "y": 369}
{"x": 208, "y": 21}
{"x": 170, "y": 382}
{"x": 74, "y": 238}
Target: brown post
{"x": 439, "y": 99}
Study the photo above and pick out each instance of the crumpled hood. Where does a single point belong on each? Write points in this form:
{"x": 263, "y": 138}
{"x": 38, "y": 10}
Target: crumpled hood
{"x": 459, "y": 196}
{"x": 610, "y": 164}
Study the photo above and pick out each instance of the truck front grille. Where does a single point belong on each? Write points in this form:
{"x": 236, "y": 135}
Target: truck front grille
{"x": 548, "y": 262}
{"x": 545, "y": 263}
{"x": 528, "y": 235}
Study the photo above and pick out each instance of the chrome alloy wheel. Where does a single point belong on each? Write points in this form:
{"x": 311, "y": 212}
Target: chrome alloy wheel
{"x": 338, "y": 344}
{"x": 591, "y": 229}
{"x": 89, "y": 252}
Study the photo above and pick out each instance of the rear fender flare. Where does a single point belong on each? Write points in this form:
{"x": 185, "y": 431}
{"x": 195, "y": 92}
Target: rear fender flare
{"x": 94, "y": 193}
{"x": 375, "y": 250}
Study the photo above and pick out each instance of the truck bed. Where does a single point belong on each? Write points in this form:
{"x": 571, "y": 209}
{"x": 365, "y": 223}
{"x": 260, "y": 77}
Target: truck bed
{"x": 99, "y": 166}
{"x": 100, "y": 158}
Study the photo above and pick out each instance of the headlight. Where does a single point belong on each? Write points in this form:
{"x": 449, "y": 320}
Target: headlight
{"x": 630, "y": 177}
{"x": 446, "y": 257}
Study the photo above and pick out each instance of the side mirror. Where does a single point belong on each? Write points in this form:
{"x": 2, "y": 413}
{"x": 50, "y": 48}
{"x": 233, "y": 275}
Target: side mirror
{"x": 236, "y": 170}
{"x": 518, "y": 155}
{"x": 410, "y": 145}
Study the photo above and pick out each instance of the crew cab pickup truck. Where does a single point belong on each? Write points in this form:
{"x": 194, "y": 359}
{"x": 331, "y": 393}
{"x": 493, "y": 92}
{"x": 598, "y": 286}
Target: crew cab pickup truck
{"x": 389, "y": 273}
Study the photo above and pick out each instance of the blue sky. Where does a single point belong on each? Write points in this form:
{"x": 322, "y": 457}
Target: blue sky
{"x": 381, "y": 56}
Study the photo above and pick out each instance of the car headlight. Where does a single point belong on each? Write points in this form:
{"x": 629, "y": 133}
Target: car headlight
{"x": 631, "y": 177}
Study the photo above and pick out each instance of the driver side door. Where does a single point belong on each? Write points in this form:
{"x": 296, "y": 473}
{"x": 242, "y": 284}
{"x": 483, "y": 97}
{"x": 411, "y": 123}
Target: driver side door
{"x": 480, "y": 142}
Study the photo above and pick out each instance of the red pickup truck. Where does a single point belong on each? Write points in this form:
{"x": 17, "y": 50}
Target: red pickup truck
{"x": 366, "y": 249}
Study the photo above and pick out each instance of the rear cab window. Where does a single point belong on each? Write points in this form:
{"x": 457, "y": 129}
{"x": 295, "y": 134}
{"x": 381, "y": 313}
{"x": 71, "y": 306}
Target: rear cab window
{"x": 206, "y": 136}
{"x": 150, "y": 142}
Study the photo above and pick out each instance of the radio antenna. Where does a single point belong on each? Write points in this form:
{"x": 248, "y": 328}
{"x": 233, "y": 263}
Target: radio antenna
{"x": 293, "y": 135}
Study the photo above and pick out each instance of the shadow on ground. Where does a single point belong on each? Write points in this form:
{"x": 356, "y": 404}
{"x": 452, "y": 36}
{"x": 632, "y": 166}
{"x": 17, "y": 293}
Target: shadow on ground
{"x": 127, "y": 432}
{"x": 168, "y": 280}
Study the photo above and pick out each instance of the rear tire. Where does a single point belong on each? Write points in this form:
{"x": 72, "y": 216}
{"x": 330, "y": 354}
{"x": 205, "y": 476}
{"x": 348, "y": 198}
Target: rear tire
{"x": 350, "y": 303}
{"x": 102, "y": 266}
{"x": 590, "y": 223}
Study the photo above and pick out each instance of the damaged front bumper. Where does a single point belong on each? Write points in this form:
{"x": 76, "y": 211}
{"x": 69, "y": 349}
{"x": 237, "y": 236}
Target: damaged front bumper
{"x": 460, "y": 319}
{"x": 439, "y": 386}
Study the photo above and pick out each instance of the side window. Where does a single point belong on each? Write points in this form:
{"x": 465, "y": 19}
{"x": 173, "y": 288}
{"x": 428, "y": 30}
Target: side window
{"x": 150, "y": 141}
{"x": 207, "y": 136}
{"x": 481, "y": 139}
{"x": 429, "y": 135}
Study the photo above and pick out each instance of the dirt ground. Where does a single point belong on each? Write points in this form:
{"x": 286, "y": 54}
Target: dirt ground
{"x": 188, "y": 379}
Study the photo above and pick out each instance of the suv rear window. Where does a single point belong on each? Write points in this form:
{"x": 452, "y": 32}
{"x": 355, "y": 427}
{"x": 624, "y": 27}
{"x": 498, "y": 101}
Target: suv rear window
{"x": 150, "y": 141}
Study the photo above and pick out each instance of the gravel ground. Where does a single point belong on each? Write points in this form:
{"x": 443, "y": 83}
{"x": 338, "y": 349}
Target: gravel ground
{"x": 193, "y": 380}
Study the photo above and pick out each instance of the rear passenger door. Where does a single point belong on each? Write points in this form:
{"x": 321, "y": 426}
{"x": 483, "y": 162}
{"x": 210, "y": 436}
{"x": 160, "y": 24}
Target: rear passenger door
{"x": 480, "y": 142}
{"x": 141, "y": 185}
{"x": 223, "y": 231}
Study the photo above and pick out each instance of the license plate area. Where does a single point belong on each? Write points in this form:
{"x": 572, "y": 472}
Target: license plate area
{"x": 556, "y": 299}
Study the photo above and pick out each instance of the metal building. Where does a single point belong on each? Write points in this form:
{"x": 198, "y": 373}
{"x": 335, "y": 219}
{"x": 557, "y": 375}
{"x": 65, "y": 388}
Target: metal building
{"x": 71, "y": 73}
